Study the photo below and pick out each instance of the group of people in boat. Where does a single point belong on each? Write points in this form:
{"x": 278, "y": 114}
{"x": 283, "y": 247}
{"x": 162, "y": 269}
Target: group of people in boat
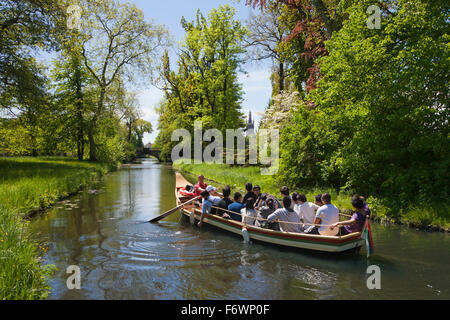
{"x": 293, "y": 214}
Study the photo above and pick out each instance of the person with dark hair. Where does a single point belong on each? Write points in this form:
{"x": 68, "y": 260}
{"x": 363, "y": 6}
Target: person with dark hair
{"x": 295, "y": 202}
{"x": 250, "y": 193}
{"x": 286, "y": 214}
{"x": 266, "y": 207}
{"x": 318, "y": 200}
{"x": 356, "y": 223}
{"x": 326, "y": 215}
{"x": 366, "y": 206}
{"x": 249, "y": 215}
{"x": 225, "y": 202}
{"x": 209, "y": 201}
{"x": 261, "y": 201}
{"x": 285, "y": 193}
{"x": 257, "y": 191}
{"x": 236, "y": 206}
{"x": 305, "y": 210}
{"x": 226, "y": 192}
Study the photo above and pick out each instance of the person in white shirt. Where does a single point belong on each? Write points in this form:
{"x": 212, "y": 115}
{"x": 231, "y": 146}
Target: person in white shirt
{"x": 250, "y": 214}
{"x": 326, "y": 216}
{"x": 286, "y": 214}
{"x": 305, "y": 210}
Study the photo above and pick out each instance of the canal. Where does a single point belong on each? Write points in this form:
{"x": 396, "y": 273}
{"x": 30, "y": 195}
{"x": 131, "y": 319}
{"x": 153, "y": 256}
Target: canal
{"x": 104, "y": 232}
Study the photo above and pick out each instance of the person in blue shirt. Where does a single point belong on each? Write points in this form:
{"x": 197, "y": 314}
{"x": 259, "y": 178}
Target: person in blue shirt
{"x": 236, "y": 206}
{"x": 209, "y": 201}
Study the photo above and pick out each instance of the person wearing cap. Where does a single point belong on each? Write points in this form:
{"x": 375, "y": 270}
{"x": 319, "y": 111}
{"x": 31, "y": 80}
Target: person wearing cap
{"x": 200, "y": 186}
{"x": 212, "y": 191}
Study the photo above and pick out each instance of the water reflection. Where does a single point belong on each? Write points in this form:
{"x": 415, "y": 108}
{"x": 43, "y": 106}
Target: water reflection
{"x": 122, "y": 257}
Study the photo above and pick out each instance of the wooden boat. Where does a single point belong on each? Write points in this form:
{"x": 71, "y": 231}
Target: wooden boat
{"x": 332, "y": 244}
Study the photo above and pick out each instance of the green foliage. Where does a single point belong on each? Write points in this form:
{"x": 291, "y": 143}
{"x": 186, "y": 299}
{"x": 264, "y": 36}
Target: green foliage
{"x": 205, "y": 87}
{"x": 35, "y": 183}
{"x": 82, "y": 106}
{"x": 32, "y": 184}
{"x": 386, "y": 95}
{"x": 381, "y": 123}
{"x": 22, "y": 277}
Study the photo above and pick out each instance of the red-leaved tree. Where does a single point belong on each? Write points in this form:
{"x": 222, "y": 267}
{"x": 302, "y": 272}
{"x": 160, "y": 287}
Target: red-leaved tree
{"x": 315, "y": 23}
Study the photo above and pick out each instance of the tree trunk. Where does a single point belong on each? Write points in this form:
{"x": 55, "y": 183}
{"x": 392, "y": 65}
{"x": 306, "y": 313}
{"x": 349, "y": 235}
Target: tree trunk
{"x": 92, "y": 150}
{"x": 80, "y": 135}
{"x": 281, "y": 77}
{"x": 92, "y": 146}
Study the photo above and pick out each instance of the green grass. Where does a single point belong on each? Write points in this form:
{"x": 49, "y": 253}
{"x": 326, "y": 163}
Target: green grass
{"x": 26, "y": 185}
{"x": 418, "y": 215}
{"x": 22, "y": 276}
{"x": 36, "y": 183}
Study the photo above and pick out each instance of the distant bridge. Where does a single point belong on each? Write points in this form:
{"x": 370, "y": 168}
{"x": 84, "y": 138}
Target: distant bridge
{"x": 150, "y": 152}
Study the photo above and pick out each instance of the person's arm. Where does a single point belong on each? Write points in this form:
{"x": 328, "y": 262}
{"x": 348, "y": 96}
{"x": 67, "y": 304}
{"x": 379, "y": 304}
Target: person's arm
{"x": 275, "y": 204}
{"x": 243, "y": 215}
{"x": 318, "y": 219}
{"x": 301, "y": 215}
{"x": 258, "y": 203}
{"x": 343, "y": 223}
{"x": 272, "y": 217}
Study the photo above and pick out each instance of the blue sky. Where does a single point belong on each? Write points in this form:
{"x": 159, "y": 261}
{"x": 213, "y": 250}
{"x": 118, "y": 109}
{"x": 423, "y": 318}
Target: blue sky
{"x": 256, "y": 84}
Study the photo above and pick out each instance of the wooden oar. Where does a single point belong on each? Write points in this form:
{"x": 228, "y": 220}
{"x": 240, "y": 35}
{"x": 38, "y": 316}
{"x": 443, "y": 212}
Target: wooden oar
{"x": 168, "y": 213}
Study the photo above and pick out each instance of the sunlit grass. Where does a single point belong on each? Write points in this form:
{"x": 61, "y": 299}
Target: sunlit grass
{"x": 431, "y": 215}
{"x": 28, "y": 184}
{"x": 22, "y": 276}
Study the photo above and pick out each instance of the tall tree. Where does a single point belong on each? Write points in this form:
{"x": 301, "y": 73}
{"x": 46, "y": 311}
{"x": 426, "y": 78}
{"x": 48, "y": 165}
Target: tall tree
{"x": 205, "y": 86}
{"x": 25, "y": 27}
{"x": 117, "y": 42}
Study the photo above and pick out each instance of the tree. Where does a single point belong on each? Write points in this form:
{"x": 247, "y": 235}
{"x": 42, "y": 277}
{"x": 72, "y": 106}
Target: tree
{"x": 136, "y": 126}
{"x": 381, "y": 123}
{"x": 312, "y": 23}
{"x": 266, "y": 33}
{"x": 205, "y": 86}
{"x": 74, "y": 91}
{"x": 25, "y": 26}
{"x": 117, "y": 41}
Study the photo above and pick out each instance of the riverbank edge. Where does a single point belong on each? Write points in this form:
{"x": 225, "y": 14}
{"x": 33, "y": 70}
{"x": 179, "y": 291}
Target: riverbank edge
{"x": 42, "y": 272}
{"x": 41, "y": 210}
{"x": 374, "y": 217}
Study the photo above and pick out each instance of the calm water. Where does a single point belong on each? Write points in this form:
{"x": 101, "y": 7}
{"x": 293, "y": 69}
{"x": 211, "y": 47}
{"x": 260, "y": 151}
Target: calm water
{"x": 121, "y": 257}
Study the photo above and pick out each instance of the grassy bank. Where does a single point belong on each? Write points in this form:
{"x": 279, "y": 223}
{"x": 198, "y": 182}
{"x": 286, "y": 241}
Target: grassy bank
{"x": 31, "y": 185}
{"x": 425, "y": 216}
